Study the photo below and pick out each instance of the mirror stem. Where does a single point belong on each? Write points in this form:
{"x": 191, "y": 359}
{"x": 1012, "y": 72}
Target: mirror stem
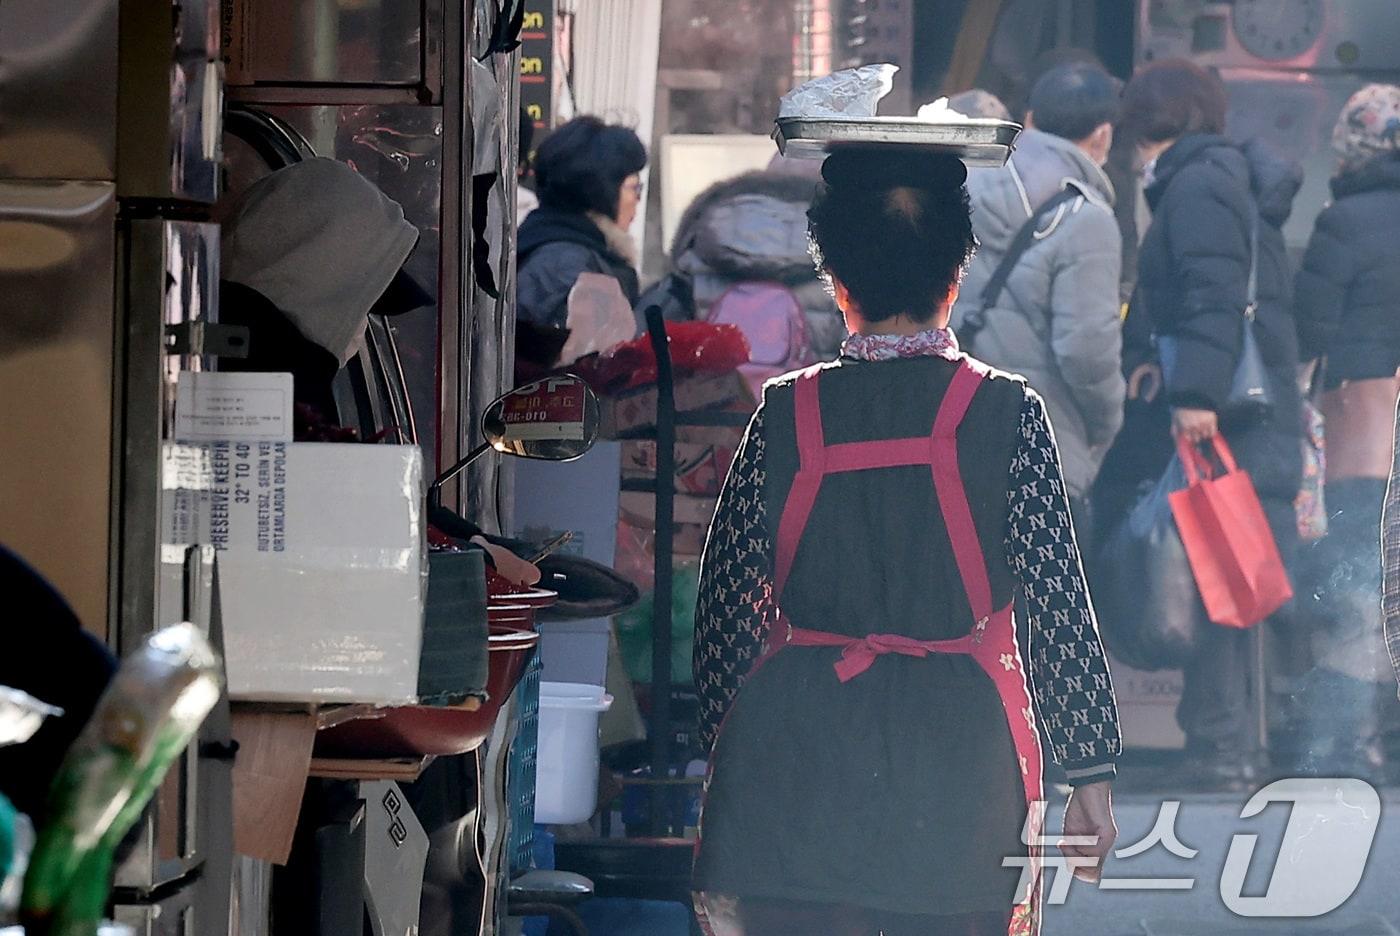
{"x": 435, "y": 491}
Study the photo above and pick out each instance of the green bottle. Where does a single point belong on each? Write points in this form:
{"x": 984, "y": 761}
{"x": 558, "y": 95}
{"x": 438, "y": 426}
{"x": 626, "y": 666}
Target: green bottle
{"x": 153, "y": 707}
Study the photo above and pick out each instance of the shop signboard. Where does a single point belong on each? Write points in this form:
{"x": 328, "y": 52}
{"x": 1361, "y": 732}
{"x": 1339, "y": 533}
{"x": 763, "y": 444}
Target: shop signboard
{"x": 537, "y": 65}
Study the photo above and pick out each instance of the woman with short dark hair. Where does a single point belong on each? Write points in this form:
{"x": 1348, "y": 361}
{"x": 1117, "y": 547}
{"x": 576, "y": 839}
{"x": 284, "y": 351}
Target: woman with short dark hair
{"x": 1218, "y": 208}
{"x": 1173, "y": 99}
{"x": 587, "y": 180}
{"x": 854, "y": 638}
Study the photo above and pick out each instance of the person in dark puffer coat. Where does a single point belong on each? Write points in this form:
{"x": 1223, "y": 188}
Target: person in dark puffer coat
{"x": 587, "y": 179}
{"x": 1346, "y": 294}
{"x": 1350, "y": 280}
{"x": 1206, "y": 193}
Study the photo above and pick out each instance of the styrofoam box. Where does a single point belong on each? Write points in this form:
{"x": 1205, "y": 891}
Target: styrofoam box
{"x": 322, "y": 563}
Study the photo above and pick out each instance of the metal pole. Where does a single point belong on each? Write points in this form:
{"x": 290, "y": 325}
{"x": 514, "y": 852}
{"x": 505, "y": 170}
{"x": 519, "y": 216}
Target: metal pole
{"x": 660, "y": 726}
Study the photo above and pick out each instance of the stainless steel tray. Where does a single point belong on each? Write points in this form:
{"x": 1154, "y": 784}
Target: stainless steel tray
{"x": 979, "y": 143}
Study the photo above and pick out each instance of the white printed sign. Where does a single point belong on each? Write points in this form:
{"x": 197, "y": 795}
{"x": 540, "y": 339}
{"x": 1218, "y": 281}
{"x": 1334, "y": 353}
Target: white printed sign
{"x": 213, "y": 407}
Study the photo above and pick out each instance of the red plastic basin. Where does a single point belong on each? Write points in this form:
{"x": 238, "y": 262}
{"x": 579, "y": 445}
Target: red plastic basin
{"x": 419, "y": 730}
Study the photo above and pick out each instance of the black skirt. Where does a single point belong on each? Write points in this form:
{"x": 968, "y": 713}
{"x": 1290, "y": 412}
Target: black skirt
{"x": 899, "y": 790}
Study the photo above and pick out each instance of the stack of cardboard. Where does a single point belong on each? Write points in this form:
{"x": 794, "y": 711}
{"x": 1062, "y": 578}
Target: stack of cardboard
{"x": 702, "y": 459}
{"x": 703, "y": 456}
{"x": 633, "y": 412}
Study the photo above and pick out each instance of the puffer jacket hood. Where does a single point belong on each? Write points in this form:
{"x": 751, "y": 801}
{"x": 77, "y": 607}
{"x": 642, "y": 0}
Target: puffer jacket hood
{"x": 1004, "y": 198}
{"x": 1273, "y": 179}
{"x": 752, "y": 227}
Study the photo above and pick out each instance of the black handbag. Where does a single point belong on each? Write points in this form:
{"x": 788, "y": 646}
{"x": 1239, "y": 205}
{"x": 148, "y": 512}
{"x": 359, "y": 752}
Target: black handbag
{"x": 1250, "y": 394}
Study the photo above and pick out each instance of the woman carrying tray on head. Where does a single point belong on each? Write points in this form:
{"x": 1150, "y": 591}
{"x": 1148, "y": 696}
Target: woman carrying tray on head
{"x": 876, "y": 768}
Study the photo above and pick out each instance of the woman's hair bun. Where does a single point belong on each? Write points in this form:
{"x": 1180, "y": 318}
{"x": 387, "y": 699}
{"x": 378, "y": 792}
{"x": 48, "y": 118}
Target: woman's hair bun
{"x": 881, "y": 168}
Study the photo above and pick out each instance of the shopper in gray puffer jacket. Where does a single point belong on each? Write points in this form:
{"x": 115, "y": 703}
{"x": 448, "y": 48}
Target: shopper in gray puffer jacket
{"x": 751, "y": 228}
{"x": 1057, "y": 320}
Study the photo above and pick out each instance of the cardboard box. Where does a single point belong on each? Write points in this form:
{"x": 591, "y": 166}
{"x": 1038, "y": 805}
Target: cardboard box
{"x": 701, "y": 467}
{"x": 321, "y": 558}
{"x": 636, "y": 549}
{"x": 269, "y": 778}
{"x": 1147, "y": 706}
{"x": 635, "y": 410}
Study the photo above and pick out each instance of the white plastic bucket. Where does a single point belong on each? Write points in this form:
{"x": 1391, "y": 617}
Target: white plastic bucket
{"x": 566, "y": 767}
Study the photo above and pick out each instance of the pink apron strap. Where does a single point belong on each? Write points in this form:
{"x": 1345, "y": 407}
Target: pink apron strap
{"x": 811, "y": 445}
{"x": 888, "y": 453}
{"x": 952, "y": 496}
{"x": 811, "y": 448}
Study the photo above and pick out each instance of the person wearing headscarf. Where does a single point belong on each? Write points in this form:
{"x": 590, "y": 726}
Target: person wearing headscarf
{"x": 1345, "y": 297}
{"x": 873, "y": 720}
{"x": 308, "y": 254}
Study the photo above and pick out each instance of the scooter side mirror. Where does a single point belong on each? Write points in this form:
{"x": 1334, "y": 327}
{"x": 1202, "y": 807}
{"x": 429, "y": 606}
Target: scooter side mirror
{"x": 554, "y": 419}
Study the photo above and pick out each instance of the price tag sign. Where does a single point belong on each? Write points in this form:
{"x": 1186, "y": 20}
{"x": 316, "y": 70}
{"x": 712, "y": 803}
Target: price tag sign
{"x": 548, "y": 410}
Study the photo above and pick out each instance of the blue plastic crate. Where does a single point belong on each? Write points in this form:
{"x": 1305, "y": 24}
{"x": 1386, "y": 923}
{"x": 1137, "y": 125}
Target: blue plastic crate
{"x": 520, "y": 771}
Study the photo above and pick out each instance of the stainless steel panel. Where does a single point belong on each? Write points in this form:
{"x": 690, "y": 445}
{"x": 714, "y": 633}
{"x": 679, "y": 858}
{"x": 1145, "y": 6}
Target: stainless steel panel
{"x": 455, "y": 284}
{"x": 493, "y": 320}
{"x": 252, "y": 898}
{"x": 171, "y": 278}
{"x": 325, "y": 42}
{"x": 171, "y": 101}
{"x": 58, "y": 89}
{"x": 57, "y": 272}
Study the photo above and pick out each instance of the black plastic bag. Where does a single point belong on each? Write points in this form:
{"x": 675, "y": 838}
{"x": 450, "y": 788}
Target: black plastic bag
{"x": 1149, "y": 609}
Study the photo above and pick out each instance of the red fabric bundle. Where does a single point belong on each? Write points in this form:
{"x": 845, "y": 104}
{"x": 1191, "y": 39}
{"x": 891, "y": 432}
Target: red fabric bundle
{"x": 696, "y": 348}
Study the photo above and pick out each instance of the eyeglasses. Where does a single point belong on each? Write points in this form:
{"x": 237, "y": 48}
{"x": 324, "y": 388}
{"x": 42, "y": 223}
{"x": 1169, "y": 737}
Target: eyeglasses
{"x": 636, "y": 188}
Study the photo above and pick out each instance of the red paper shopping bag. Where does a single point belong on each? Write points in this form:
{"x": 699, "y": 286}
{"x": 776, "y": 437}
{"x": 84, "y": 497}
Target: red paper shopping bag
{"x": 1232, "y": 551}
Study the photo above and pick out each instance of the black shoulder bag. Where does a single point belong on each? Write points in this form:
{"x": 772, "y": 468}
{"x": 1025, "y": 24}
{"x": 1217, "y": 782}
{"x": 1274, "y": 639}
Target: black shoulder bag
{"x": 976, "y": 320}
{"x": 1250, "y": 394}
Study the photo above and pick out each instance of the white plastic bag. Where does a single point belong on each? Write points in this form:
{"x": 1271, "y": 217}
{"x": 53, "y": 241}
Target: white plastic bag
{"x": 852, "y": 92}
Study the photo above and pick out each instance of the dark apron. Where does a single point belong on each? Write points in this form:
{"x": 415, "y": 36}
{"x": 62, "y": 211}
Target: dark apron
{"x": 991, "y": 640}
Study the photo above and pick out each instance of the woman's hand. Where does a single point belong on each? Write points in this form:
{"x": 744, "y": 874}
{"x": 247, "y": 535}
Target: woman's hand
{"x": 1089, "y": 830}
{"x": 1195, "y": 425}
{"x": 1145, "y": 382}
{"x": 508, "y": 565}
